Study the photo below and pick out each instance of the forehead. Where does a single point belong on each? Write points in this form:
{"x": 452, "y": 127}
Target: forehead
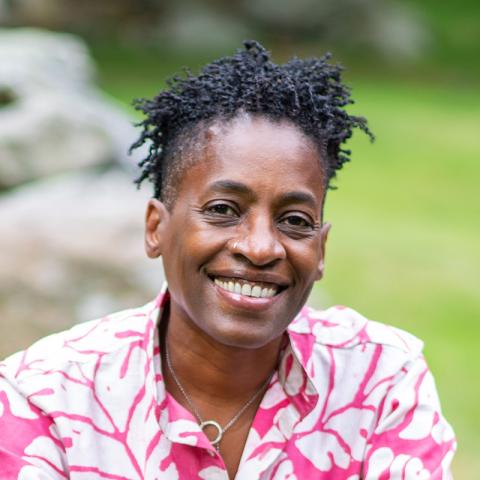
{"x": 267, "y": 156}
{"x": 247, "y": 132}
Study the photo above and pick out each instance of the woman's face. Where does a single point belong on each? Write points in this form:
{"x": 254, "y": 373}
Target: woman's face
{"x": 243, "y": 242}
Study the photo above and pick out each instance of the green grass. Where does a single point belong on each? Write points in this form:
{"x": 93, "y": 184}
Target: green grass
{"x": 404, "y": 248}
{"x": 455, "y": 36}
{"x": 128, "y": 72}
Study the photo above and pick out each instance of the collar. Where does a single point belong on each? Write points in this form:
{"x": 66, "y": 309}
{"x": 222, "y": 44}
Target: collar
{"x": 295, "y": 375}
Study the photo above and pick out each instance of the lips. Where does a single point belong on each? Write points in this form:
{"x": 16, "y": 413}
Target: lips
{"x": 248, "y": 290}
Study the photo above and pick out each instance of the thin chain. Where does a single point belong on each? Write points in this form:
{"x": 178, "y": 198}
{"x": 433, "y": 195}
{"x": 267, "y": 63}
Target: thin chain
{"x": 180, "y": 386}
{"x": 194, "y": 409}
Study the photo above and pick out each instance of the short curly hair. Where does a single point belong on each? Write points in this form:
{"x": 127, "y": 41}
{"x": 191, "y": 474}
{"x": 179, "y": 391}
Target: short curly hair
{"x": 309, "y": 93}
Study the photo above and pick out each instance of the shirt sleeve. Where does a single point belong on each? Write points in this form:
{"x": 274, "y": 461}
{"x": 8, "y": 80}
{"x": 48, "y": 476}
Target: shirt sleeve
{"x": 411, "y": 439}
{"x": 29, "y": 446}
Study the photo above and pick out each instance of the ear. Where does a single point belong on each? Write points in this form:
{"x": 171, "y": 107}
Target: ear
{"x": 156, "y": 223}
{"x": 323, "y": 241}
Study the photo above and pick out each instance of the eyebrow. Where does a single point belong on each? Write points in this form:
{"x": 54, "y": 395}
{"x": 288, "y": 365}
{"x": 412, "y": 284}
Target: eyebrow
{"x": 299, "y": 197}
{"x": 229, "y": 186}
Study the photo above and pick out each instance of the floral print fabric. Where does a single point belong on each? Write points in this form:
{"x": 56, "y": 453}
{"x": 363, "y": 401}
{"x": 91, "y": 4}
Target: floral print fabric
{"x": 352, "y": 399}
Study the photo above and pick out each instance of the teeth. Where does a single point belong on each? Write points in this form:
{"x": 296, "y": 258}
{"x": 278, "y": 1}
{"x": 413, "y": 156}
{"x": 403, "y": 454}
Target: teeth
{"x": 256, "y": 291}
{"x": 248, "y": 289}
{"x": 267, "y": 292}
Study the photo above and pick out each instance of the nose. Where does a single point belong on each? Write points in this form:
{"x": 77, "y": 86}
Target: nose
{"x": 258, "y": 242}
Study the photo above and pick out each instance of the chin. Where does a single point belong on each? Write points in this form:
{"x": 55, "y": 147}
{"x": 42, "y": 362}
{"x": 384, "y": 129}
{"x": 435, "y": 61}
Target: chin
{"x": 243, "y": 336}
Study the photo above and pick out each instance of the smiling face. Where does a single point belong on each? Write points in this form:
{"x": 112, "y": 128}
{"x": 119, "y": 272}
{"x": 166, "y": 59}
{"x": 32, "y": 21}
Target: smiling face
{"x": 243, "y": 243}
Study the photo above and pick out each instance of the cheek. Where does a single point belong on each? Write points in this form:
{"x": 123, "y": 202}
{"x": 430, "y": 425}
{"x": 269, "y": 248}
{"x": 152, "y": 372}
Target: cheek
{"x": 304, "y": 260}
{"x": 200, "y": 245}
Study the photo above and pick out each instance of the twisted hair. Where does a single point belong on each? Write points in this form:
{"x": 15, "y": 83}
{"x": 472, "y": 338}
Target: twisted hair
{"x": 309, "y": 93}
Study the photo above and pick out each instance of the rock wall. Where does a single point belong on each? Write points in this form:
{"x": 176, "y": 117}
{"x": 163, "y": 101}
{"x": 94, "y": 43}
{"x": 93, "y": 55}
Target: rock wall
{"x": 52, "y": 117}
{"x": 71, "y": 221}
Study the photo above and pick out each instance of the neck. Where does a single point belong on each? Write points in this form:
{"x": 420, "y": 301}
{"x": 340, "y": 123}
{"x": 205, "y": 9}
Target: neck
{"x": 216, "y": 373}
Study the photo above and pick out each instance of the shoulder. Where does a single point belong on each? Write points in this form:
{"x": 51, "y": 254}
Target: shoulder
{"x": 83, "y": 344}
{"x": 343, "y": 328}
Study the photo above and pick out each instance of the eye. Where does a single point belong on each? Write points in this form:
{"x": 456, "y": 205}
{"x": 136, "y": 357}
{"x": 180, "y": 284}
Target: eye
{"x": 297, "y": 221}
{"x": 221, "y": 209}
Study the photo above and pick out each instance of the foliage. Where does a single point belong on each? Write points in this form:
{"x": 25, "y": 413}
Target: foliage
{"x": 381, "y": 31}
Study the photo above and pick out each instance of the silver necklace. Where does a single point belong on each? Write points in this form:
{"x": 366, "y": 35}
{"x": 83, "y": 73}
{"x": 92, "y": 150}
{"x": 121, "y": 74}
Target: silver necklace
{"x": 211, "y": 423}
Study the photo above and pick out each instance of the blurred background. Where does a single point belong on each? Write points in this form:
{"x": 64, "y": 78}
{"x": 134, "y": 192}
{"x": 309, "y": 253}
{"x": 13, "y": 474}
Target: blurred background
{"x": 404, "y": 248}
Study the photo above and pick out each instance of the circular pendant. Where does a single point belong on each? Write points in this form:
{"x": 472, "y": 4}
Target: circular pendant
{"x": 213, "y": 423}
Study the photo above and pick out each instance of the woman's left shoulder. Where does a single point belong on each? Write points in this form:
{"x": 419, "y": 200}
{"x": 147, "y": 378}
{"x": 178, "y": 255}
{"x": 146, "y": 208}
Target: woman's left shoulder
{"x": 344, "y": 327}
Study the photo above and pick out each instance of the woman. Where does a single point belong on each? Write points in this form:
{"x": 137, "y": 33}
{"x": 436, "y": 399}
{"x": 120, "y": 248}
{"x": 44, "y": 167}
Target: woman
{"x": 227, "y": 374}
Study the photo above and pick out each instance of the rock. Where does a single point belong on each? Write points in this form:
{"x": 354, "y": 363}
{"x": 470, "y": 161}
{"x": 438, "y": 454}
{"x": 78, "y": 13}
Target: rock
{"x": 392, "y": 28}
{"x": 52, "y": 118}
{"x": 71, "y": 249}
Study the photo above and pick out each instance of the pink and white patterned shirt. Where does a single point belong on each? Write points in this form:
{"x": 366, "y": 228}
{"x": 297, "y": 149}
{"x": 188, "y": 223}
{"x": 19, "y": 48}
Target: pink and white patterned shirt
{"x": 352, "y": 399}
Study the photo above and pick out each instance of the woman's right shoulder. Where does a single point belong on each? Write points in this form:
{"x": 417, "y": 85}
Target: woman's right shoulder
{"x": 83, "y": 344}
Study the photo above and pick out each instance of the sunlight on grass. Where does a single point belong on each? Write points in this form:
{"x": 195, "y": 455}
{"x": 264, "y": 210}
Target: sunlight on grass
{"x": 404, "y": 245}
